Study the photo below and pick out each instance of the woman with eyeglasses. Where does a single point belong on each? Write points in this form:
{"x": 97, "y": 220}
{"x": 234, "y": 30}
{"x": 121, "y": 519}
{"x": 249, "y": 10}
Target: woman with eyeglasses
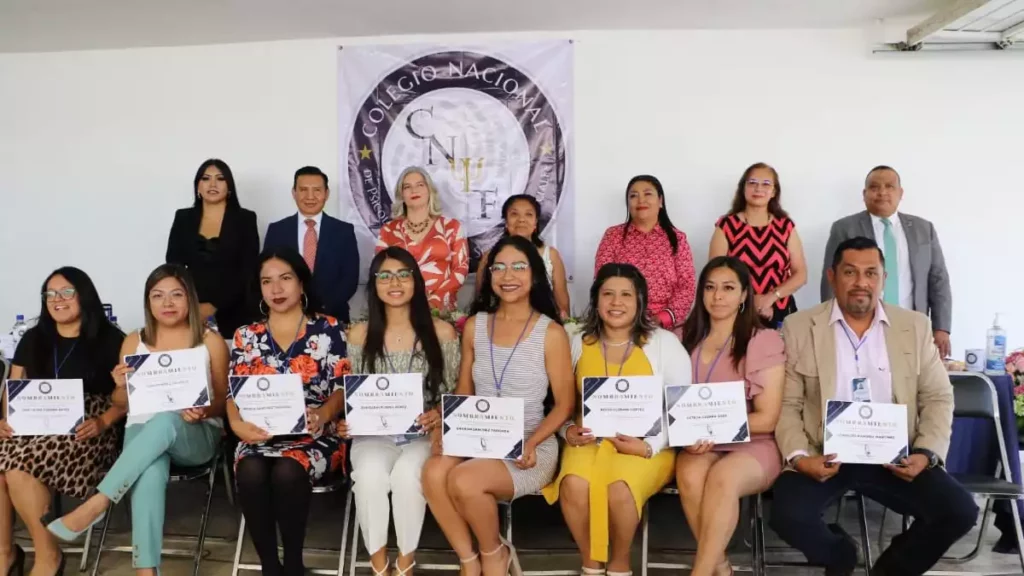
{"x": 153, "y": 441}
{"x": 399, "y": 337}
{"x": 649, "y": 241}
{"x": 521, "y": 213}
{"x": 513, "y": 346}
{"x": 73, "y": 340}
{"x": 437, "y": 243}
{"x": 603, "y": 484}
{"x": 728, "y": 343}
{"x": 275, "y": 474}
{"x": 759, "y": 232}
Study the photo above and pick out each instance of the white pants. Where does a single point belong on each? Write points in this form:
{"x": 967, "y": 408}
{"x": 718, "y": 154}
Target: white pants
{"x": 379, "y": 466}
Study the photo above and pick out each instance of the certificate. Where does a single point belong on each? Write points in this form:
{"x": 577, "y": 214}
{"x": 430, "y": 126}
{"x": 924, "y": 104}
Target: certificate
{"x": 866, "y": 433}
{"x": 623, "y": 405}
{"x": 383, "y": 404}
{"x": 713, "y": 412}
{"x": 167, "y": 381}
{"x": 44, "y": 407}
{"x": 482, "y": 427}
{"x": 276, "y": 402}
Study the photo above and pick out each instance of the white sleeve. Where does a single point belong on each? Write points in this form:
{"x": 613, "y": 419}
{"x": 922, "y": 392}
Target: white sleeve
{"x": 675, "y": 370}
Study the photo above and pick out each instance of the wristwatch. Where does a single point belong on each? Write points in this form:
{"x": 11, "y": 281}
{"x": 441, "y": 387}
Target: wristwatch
{"x": 933, "y": 458}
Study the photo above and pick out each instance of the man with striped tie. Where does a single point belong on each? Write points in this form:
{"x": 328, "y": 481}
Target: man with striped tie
{"x": 327, "y": 244}
{"x": 916, "y": 275}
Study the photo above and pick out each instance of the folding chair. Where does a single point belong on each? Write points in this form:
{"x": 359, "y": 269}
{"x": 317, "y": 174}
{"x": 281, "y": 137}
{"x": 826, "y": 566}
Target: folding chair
{"x": 330, "y": 487}
{"x": 507, "y": 516}
{"x": 355, "y": 563}
{"x": 975, "y": 396}
{"x": 178, "y": 474}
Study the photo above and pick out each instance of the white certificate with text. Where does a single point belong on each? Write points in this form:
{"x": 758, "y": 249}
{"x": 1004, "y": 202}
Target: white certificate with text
{"x": 715, "y": 412}
{"x": 482, "y": 427}
{"x": 383, "y": 404}
{"x": 628, "y": 405}
{"x": 866, "y": 432}
{"x": 275, "y": 402}
{"x": 168, "y": 381}
{"x": 44, "y": 407}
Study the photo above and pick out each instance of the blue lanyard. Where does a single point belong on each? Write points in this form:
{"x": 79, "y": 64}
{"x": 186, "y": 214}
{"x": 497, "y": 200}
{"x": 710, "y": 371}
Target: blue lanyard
{"x": 713, "y": 363}
{"x": 856, "y": 347}
{"x": 604, "y": 354}
{"x": 499, "y": 381}
{"x": 57, "y": 367}
{"x": 412, "y": 355}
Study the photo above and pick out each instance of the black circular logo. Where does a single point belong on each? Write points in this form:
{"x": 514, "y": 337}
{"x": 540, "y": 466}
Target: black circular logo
{"x": 263, "y": 384}
{"x": 866, "y": 412}
{"x": 972, "y": 358}
{"x": 483, "y": 406}
{"x": 704, "y": 392}
{"x": 483, "y": 129}
{"x": 622, "y": 385}
{"x": 383, "y": 383}
{"x": 45, "y": 387}
{"x": 164, "y": 360}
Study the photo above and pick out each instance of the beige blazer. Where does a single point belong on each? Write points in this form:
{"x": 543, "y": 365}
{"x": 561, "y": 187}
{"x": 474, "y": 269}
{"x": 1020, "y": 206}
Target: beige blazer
{"x": 919, "y": 380}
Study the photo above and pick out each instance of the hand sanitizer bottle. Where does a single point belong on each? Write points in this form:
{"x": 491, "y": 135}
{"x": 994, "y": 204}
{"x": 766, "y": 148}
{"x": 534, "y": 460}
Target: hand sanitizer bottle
{"x": 995, "y": 349}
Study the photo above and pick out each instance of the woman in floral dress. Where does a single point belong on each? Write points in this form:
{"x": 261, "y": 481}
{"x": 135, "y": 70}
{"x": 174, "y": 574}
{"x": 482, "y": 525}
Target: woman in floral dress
{"x": 275, "y": 475}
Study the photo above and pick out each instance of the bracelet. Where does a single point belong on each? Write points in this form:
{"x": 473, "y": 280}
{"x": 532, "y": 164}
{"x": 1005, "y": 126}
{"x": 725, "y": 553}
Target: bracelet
{"x": 649, "y": 452}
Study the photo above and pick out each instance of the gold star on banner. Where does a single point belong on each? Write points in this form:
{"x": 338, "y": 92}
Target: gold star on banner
{"x": 364, "y": 153}
{"x": 546, "y": 149}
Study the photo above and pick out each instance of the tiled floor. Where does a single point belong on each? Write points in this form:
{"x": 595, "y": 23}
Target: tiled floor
{"x": 538, "y": 528}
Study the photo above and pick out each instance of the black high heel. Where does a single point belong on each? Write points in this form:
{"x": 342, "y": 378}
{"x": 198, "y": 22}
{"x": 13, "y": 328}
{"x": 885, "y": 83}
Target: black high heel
{"x": 18, "y": 566}
{"x": 62, "y": 565}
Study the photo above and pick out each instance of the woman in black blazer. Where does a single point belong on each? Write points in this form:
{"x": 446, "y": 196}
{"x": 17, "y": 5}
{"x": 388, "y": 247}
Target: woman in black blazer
{"x": 217, "y": 240}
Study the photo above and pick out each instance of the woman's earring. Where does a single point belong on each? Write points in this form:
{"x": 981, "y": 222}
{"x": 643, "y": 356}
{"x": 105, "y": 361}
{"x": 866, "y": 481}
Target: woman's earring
{"x": 305, "y": 301}
{"x": 262, "y": 311}
{"x": 743, "y": 306}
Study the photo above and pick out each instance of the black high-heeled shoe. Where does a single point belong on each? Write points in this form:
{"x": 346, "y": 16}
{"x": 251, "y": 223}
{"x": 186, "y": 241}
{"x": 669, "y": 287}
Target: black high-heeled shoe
{"x": 62, "y": 565}
{"x": 18, "y": 566}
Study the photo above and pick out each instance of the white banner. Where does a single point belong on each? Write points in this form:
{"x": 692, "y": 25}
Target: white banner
{"x": 486, "y": 122}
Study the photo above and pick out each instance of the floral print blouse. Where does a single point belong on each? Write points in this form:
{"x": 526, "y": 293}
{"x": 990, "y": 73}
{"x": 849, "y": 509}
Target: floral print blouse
{"x": 443, "y": 256}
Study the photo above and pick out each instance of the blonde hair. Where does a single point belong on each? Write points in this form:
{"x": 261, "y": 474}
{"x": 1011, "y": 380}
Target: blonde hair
{"x": 433, "y": 204}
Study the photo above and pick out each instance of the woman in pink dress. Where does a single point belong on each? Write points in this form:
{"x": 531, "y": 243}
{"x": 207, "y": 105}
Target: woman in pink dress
{"x": 728, "y": 343}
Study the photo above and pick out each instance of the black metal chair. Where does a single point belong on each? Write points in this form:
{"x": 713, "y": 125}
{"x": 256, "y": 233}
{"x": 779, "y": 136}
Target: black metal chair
{"x": 330, "y": 487}
{"x": 178, "y": 474}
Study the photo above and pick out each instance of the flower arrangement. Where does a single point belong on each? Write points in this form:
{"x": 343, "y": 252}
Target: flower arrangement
{"x": 572, "y": 325}
{"x": 1015, "y": 368}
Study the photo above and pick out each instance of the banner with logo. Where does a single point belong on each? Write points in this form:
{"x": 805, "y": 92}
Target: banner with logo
{"x": 486, "y": 122}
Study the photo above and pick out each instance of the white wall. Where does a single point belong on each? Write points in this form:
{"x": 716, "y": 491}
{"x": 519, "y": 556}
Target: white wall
{"x": 97, "y": 149}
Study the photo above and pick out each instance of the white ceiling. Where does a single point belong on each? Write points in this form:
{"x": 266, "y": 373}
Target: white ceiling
{"x": 51, "y": 25}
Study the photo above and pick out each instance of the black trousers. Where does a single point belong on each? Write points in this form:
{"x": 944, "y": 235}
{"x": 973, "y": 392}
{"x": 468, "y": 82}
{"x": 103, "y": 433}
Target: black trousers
{"x": 942, "y": 510}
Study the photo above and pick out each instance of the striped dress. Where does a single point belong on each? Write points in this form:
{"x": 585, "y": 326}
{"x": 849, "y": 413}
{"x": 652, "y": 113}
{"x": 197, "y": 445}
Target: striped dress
{"x": 526, "y": 378}
{"x": 765, "y": 251}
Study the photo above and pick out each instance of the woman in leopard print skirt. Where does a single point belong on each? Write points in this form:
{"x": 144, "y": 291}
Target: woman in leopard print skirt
{"x": 73, "y": 340}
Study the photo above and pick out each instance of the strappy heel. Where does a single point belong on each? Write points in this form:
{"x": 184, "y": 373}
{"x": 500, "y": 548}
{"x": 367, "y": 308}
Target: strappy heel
{"x": 400, "y": 572}
{"x": 470, "y": 560}
{"x": 384, "y": 572}
{"x": 512, "y": 567}
{"x": 584, "y": 571}
{"x": 629, "y": 573}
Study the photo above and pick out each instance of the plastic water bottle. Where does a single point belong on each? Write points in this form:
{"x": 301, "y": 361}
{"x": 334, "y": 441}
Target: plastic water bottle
{"x": 995, "y": 349}
{"x": 211, "y": 323}
{"x": 19, "y": 329}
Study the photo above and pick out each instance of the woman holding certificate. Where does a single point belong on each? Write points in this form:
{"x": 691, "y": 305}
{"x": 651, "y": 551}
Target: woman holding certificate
{"x": 275, "y": 474}
{"x": 728, "y": 343}
{"x": 603, "y": 484}
{"x": 513, "y": 347}
{"x": 72, "y": 341}
{"x": 153, "y": 439}
{"x": 399, "y": 337}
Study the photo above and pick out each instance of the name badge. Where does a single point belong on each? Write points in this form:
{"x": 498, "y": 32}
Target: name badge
{"x": 861, "y": 388}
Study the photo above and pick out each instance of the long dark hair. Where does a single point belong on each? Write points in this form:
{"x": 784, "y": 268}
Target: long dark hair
{"x": 311, "y": 305}
{"x": 229, "y": 178}
{"x": 94, "y": 325}
{"x": 535, "y": 237}
{"x": 698, "y": 323}
{"x": 642, "y": 327}
{"x": 663, "y": 219}
{"x": 739, "y": 200}
{"x": 542, "y": 298}
{"x": 419, "y": 316}
{"x": 195, "y": 322}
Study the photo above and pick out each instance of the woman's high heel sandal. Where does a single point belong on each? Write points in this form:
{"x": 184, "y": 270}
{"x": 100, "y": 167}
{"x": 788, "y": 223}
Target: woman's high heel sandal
{"x": 385, "y": 571}
{"x": 630, "y": 573}
{"x": 402, "y": 572}
{"x": 592, "y": 571}
{"x": 470, "y": 560}
{"x": 512, "y": 566}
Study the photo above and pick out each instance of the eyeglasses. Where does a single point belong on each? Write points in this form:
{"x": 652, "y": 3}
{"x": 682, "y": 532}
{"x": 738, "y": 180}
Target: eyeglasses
{"x": 64, "y": 294}
{"x": 385, "y": 277}
{"x": 499, "y": 267}
{"x": 759, "y": 183}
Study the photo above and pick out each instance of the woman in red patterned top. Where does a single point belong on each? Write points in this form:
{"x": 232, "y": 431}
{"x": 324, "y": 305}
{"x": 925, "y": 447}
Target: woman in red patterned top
{"x": 437, "y": 243}
{"x": 759, "y": 232}
{"x": 649, "y": 241}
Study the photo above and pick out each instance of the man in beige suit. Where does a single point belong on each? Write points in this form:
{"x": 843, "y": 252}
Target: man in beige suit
{"x": 854, "y": 348}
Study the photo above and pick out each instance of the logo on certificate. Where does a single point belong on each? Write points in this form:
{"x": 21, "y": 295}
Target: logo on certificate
{"x": 622, "y": 385}
{"x": 704, "y": 393}
{"x": 483, "y": 406}
{"x": 384, "y": 421}
{"x": 164, "y": 360}
{"x": 866, "y": 412}
{"x": 383, "y": 384}
{"x": 483, "y": 444}
{"x": 45, "y": 387}
{"x": 263, "y": 384}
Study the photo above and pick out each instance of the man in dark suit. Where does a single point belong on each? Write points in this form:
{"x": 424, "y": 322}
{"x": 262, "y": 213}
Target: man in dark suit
{"x": 916, "y": 276}
{"x": 327, "y": 244}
